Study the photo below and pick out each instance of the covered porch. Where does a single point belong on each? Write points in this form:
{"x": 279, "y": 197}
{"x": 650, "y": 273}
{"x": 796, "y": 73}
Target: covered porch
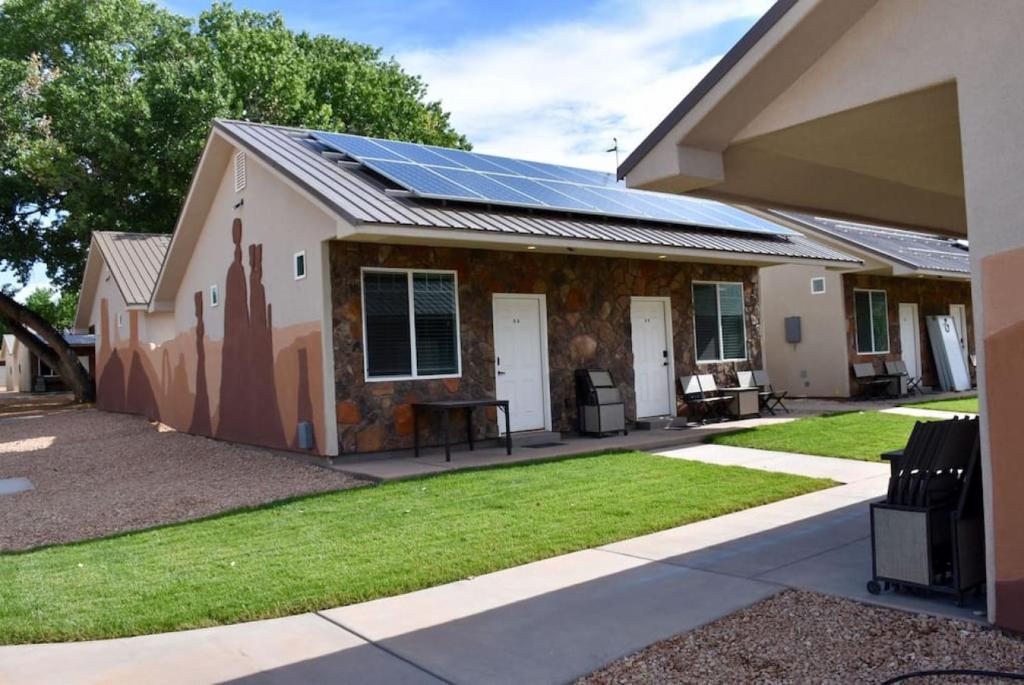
{"x": 799, "y": 115}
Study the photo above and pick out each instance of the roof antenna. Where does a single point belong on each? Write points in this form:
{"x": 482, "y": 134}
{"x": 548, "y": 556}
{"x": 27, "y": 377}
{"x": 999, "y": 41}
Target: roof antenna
{"x": 615, "y": 148}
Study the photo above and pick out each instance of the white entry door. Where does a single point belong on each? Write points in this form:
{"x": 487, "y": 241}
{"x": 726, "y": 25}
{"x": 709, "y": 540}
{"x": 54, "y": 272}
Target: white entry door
{"x": 910, "y": 338}
{"x": 959, "y": 314}
{"x": 651, "y": 320}
{"x": 521, "y": 353}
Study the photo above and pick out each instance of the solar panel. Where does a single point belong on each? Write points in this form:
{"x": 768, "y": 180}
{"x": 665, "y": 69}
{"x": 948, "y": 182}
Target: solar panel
{"x": 356, "y": 146}
{"x": 422, "y": 180}
{"x": 447, "y": 174}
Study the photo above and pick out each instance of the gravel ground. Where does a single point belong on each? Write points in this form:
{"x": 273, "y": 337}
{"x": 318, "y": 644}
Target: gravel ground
{"x": 97, "y": 473}
{"x": 804, "y": 637}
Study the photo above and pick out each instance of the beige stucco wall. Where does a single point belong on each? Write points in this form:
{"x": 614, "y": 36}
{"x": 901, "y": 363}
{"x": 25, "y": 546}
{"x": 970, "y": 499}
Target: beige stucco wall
{"x": 275, "y": 216}
{"x": 815, "y": 367}
{"x": 107, "y": 290}
{"x": 19, "y": 373}
{"x": 273, "y": 369}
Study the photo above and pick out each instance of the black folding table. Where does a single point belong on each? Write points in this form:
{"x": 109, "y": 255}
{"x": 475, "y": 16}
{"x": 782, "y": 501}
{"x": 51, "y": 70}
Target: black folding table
{"x": 445, "y": 408}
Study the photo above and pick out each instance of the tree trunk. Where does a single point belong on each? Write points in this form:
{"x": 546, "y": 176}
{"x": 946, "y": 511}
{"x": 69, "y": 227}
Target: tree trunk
{"x": 49, "y": 345}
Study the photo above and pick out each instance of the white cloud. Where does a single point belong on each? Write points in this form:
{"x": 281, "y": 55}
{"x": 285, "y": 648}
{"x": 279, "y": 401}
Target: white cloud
{"x": 560, "y": 92}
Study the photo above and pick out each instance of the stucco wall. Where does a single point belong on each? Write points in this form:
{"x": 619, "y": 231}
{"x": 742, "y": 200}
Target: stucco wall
{"x": 816, "y": 366}
{"x": 588, "y": 308}
{"x": 19, "y": 376}
{"x": 932, "y": 297}
{"x": 251, "y": 367}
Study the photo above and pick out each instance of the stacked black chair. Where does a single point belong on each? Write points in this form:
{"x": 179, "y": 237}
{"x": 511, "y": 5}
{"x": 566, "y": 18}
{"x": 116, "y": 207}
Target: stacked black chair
{"x": 928, "y": 532}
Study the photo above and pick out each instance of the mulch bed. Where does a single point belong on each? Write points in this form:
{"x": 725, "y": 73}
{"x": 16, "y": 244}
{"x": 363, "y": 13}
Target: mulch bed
{"x": 96, "y": 474}
{"x": 805, "y": 637}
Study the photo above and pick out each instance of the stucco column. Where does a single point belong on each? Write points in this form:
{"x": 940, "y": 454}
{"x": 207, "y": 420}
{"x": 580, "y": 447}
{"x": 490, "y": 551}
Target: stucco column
{"x": 991, "y": 128}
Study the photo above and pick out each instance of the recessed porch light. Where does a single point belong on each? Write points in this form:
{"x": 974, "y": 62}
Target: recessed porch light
{"x": 663, "y": 256}
{"x": 531, "y": 247}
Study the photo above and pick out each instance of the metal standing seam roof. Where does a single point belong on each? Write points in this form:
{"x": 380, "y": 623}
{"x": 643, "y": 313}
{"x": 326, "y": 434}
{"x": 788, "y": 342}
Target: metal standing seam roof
{"x": 134, "y": 260}
{"x": 917, "y": 250}
{"x": 363, "y": 198}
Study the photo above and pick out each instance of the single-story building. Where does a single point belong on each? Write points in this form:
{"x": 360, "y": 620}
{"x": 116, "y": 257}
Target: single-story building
{"x": 905, "y": 114}
{"x": 23, "y": 371}
{"x": 14, "y": 362}
{"x": 313, "y": 278}
{"x": 872, "y": 313}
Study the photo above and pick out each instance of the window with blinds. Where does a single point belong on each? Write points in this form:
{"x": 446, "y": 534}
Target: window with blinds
{"x": 411, "y": 326}
{"x": 871, "y": 317}
{"x": 718, "y": 322}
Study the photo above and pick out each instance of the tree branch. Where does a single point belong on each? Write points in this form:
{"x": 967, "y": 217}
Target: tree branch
{"x": 47, "y": 344}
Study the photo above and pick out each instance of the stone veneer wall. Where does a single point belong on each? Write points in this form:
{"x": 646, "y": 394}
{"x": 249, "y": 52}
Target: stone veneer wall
{"x": 588, "y": 326}
{"x": 933, "y": 297}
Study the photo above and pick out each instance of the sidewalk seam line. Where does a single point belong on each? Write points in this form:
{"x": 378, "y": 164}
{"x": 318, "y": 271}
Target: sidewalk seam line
{"x": 812, "y": 556}
{"x": 690, "y": 568}
{"x": 384, "y": 649}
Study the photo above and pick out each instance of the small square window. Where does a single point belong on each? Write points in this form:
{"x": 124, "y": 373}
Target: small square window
{"x": 818, "y": 285}
{"x": 300, "y": 265}
{"x": 214, "y": 296}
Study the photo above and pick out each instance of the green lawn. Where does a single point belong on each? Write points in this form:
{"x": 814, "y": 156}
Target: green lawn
{"x": 957, "y": 404}
{"x": 355, "y": 545}
{"x": 856, "y": 435}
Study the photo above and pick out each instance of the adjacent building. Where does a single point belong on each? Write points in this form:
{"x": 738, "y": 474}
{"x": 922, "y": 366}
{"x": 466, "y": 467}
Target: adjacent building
{"x": 22, "y": 371}
{"x": 872, "y": 313}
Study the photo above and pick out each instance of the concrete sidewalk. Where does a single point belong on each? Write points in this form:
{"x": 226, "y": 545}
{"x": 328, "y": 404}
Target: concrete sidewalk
{"x": 399, "y": 465}
{"x": 545, "y": 622}
{"x": 926, "y": 413}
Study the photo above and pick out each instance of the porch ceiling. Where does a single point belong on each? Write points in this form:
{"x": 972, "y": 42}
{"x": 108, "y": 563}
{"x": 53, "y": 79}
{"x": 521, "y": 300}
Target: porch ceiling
{"x": 896, "y": 161}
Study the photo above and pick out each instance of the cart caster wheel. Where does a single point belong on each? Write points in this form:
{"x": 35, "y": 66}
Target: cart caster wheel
{"x": 874, "y": 588}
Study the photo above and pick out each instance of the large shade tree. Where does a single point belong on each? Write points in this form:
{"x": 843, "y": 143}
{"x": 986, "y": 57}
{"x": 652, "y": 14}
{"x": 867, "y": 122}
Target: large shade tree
{"x": 107, "y": 104}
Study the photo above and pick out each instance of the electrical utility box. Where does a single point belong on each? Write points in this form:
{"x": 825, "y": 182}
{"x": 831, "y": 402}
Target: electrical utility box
{"x": 793, "y": 329}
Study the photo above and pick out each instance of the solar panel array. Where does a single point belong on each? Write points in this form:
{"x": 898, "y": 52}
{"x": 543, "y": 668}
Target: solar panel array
{"x": 446, "y": 174}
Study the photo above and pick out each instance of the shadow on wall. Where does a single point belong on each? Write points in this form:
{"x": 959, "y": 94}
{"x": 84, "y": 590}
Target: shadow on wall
{"x": 249, "y": 406}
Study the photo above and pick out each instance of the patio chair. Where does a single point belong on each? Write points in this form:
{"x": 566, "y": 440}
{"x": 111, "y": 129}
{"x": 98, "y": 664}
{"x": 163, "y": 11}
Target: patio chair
{"x": 899, "y": 369}
{"x": 871, "y": 383}
{"x": 701, "y": 404}
{"x": 770, "y": 398}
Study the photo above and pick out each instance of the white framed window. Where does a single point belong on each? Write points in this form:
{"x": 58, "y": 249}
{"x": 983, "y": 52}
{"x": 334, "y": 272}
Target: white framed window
{"x": 719, "y": 322}
{"x": 120, "y": 320}
{"x": 871, "y": 319}
{"x": 818, "y": 285}
{"x": 214, "y": 296}
{"x": 410, "y": 324}
{"x": 299, "y": 265}
{"x": 239, "y": 171}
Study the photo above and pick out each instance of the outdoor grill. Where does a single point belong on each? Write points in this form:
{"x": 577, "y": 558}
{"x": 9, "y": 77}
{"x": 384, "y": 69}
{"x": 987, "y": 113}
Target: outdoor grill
{"x": 599, "y": 405}
{"x": 928, "y": 532}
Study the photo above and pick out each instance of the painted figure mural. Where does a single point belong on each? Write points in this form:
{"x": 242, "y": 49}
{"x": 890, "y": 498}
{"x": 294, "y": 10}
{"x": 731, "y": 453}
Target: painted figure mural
{"x": 265, "y": 386}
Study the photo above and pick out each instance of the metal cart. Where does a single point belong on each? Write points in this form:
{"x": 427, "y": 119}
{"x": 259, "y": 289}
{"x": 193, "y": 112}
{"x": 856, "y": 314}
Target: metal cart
{"x": 599, "y": 405}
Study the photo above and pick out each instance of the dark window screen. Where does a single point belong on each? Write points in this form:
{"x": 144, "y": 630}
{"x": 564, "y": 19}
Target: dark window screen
{"x": 705, "y": 321}
{"x": 436, "y": 340}
{"x": 386, "y": 299}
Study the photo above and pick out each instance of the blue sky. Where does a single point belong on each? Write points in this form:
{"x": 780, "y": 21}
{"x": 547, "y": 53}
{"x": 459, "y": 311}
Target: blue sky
{"x": 536, "y": 79}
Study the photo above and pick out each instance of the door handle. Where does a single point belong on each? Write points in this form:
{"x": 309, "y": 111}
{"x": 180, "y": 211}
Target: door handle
{"x": 501, "y": 373}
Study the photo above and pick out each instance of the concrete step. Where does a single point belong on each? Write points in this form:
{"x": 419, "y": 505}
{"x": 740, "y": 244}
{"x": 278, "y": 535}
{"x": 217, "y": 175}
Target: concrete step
{"x": 660, "y": 423}
{"x": 539, "y": 437}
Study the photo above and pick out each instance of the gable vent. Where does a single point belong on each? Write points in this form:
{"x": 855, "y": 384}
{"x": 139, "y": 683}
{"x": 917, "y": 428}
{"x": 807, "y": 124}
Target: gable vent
{"x": 239, "y": 171}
